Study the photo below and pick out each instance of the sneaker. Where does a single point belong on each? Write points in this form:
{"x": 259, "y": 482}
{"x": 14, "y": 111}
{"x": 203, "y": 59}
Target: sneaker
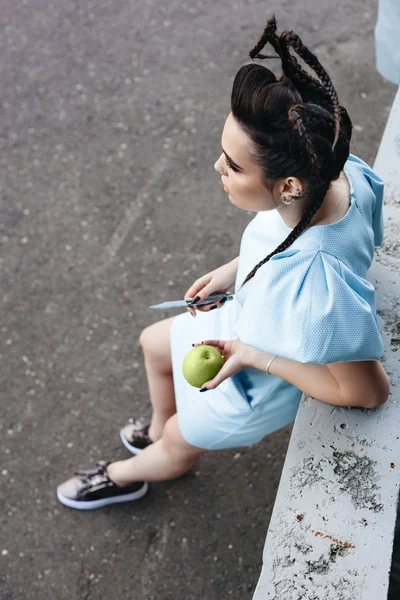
{"x": 93, "y": 489}
{"x": 135, "y": 436}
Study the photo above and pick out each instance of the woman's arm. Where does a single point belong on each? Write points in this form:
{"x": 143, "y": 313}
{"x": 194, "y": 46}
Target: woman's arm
{"x": 362, "y": 383}
{"x": 235, "y": 262}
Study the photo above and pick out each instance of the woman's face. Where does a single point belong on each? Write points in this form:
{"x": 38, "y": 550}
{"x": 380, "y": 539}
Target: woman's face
{"x": 242, "y": 178}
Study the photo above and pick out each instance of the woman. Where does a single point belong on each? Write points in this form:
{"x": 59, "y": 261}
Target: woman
{"x": 304, "y": 316}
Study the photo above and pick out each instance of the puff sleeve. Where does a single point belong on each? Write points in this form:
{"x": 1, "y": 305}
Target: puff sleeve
{"x": 372, "y": 206}
{"x": 309, "y": 306}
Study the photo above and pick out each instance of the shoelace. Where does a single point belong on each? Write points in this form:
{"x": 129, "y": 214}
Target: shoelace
{"x": 139, "y": 428}
{"x": 88, "y": 476}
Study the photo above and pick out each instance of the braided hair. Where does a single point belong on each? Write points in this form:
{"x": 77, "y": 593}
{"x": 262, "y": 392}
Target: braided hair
{"x": 296, "y": 124}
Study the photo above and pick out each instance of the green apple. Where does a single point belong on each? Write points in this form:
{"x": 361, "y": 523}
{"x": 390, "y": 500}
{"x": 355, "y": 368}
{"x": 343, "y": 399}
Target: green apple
{"x": 201, "y": 364}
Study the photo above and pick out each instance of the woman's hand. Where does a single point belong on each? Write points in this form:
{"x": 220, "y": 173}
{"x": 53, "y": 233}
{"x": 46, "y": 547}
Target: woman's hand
{"x": 218, "y": 281}
{"x": 236, "y": 358}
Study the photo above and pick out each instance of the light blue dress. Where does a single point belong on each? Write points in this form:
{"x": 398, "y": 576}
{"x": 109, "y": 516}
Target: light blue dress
{"x": 309, "y": 303}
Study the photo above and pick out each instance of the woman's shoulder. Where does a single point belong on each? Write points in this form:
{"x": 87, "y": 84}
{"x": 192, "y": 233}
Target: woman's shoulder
{"x": 362, "y": 166}
{"x": 299, "y": 264}
{"x": 313, "y": 276}
{"x": 363, "y": 220}
{"x": 368, "y": 192}
{"x": 309, "y": 306}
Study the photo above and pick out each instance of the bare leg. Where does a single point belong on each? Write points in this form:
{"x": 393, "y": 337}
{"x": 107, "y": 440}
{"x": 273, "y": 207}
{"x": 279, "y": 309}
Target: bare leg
{"x": 168, "y": 458}
{"x": 162, "y": 397}
{"x": 155, "y": 342}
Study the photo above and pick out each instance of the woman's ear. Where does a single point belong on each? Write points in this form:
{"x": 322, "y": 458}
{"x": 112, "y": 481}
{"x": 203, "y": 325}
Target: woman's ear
{"x": 290, "y": 186}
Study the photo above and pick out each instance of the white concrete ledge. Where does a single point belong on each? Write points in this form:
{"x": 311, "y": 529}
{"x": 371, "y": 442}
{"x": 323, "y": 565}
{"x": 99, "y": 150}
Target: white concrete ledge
{"x": 331, "y": 532}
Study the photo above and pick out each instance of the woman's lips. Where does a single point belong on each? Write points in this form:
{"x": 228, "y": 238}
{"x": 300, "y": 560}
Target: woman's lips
{"x": 225, "y": 188}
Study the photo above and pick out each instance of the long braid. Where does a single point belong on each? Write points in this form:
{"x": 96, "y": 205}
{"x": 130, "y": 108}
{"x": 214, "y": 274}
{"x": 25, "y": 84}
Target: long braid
{"x": 307, "y": 216}
{"x": 294, "y": 40}
{"x": 268, "y": 35}
{"x": 309, "y": 87}
{"x": 297, "y": 114}
{"x": 305, "y": 83}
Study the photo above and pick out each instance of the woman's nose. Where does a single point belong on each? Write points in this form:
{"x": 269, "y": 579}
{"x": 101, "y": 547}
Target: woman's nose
{"x": 218, "y": 165}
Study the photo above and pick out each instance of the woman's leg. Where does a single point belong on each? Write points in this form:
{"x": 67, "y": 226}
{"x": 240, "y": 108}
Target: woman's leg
{"x": 168, "y": 458}
{"x": 155, "y": 342}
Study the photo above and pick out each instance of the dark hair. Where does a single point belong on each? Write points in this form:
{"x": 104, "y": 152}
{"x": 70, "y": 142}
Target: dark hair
{"x": 295, "y": 123}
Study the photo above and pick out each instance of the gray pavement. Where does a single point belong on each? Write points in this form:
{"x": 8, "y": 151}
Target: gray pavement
{"x": 111, "y": 118}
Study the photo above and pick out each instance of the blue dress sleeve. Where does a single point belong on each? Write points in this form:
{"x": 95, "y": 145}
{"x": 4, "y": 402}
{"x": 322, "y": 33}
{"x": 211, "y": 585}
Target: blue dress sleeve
{"x": 309, "y": 306}
{"x": 371, "y": 206}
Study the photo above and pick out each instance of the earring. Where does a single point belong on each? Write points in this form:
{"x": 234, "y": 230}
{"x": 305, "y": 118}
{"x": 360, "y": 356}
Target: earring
{"x": 286, "y": 199}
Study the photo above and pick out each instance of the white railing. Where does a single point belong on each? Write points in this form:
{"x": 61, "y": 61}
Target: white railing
{"x": 331, "y": 531}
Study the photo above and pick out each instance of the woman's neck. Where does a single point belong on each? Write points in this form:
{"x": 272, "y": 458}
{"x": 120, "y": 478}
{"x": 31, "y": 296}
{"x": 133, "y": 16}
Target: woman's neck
{"x": 335, "y": 205}
{"x": 336, "y": 202}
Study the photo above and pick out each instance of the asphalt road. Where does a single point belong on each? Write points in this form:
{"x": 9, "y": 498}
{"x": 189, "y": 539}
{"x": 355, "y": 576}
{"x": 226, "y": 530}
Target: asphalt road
{"x": 111, "y": 118}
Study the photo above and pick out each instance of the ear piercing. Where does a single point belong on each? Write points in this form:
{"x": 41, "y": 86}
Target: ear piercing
{"x": 289, "y": 199}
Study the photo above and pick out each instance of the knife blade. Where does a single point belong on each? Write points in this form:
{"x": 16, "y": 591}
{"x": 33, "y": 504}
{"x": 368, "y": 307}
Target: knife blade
{"x": 184, "y": 303}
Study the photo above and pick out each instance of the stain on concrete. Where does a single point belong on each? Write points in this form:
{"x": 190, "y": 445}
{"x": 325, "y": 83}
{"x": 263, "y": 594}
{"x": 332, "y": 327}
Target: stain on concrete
{"x": 320, "y": 566}
{"x": 357, "y": 476}
{"x": 303, "y": 547}
{"x": 288, "y": 562}
{"x": 299, "y": 574}
{"x": 337, "y": 550}
{"x": 338, "y": 542}
{"x": 305, "y": 581}
{"x": 309, "y": 474}
{"x": 308, "y": 589}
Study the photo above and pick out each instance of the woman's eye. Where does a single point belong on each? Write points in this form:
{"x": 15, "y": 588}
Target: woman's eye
{"x": 230, "y": 165}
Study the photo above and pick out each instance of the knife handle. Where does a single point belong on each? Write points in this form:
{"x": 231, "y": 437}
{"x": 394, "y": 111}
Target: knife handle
{"x": 210, "y": 299}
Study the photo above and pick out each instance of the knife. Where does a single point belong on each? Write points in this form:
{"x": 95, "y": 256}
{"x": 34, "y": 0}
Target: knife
{"x": 184, "y": 303}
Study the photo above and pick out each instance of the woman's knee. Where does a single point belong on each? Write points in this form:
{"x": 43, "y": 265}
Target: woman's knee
{"x": 156, "y": 344}
{"x": 175, "y": 444}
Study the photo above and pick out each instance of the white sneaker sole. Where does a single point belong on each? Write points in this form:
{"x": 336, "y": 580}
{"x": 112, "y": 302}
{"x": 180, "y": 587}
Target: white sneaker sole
{"x": 82, "y": 505}
{"x": 129, "y": 446}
